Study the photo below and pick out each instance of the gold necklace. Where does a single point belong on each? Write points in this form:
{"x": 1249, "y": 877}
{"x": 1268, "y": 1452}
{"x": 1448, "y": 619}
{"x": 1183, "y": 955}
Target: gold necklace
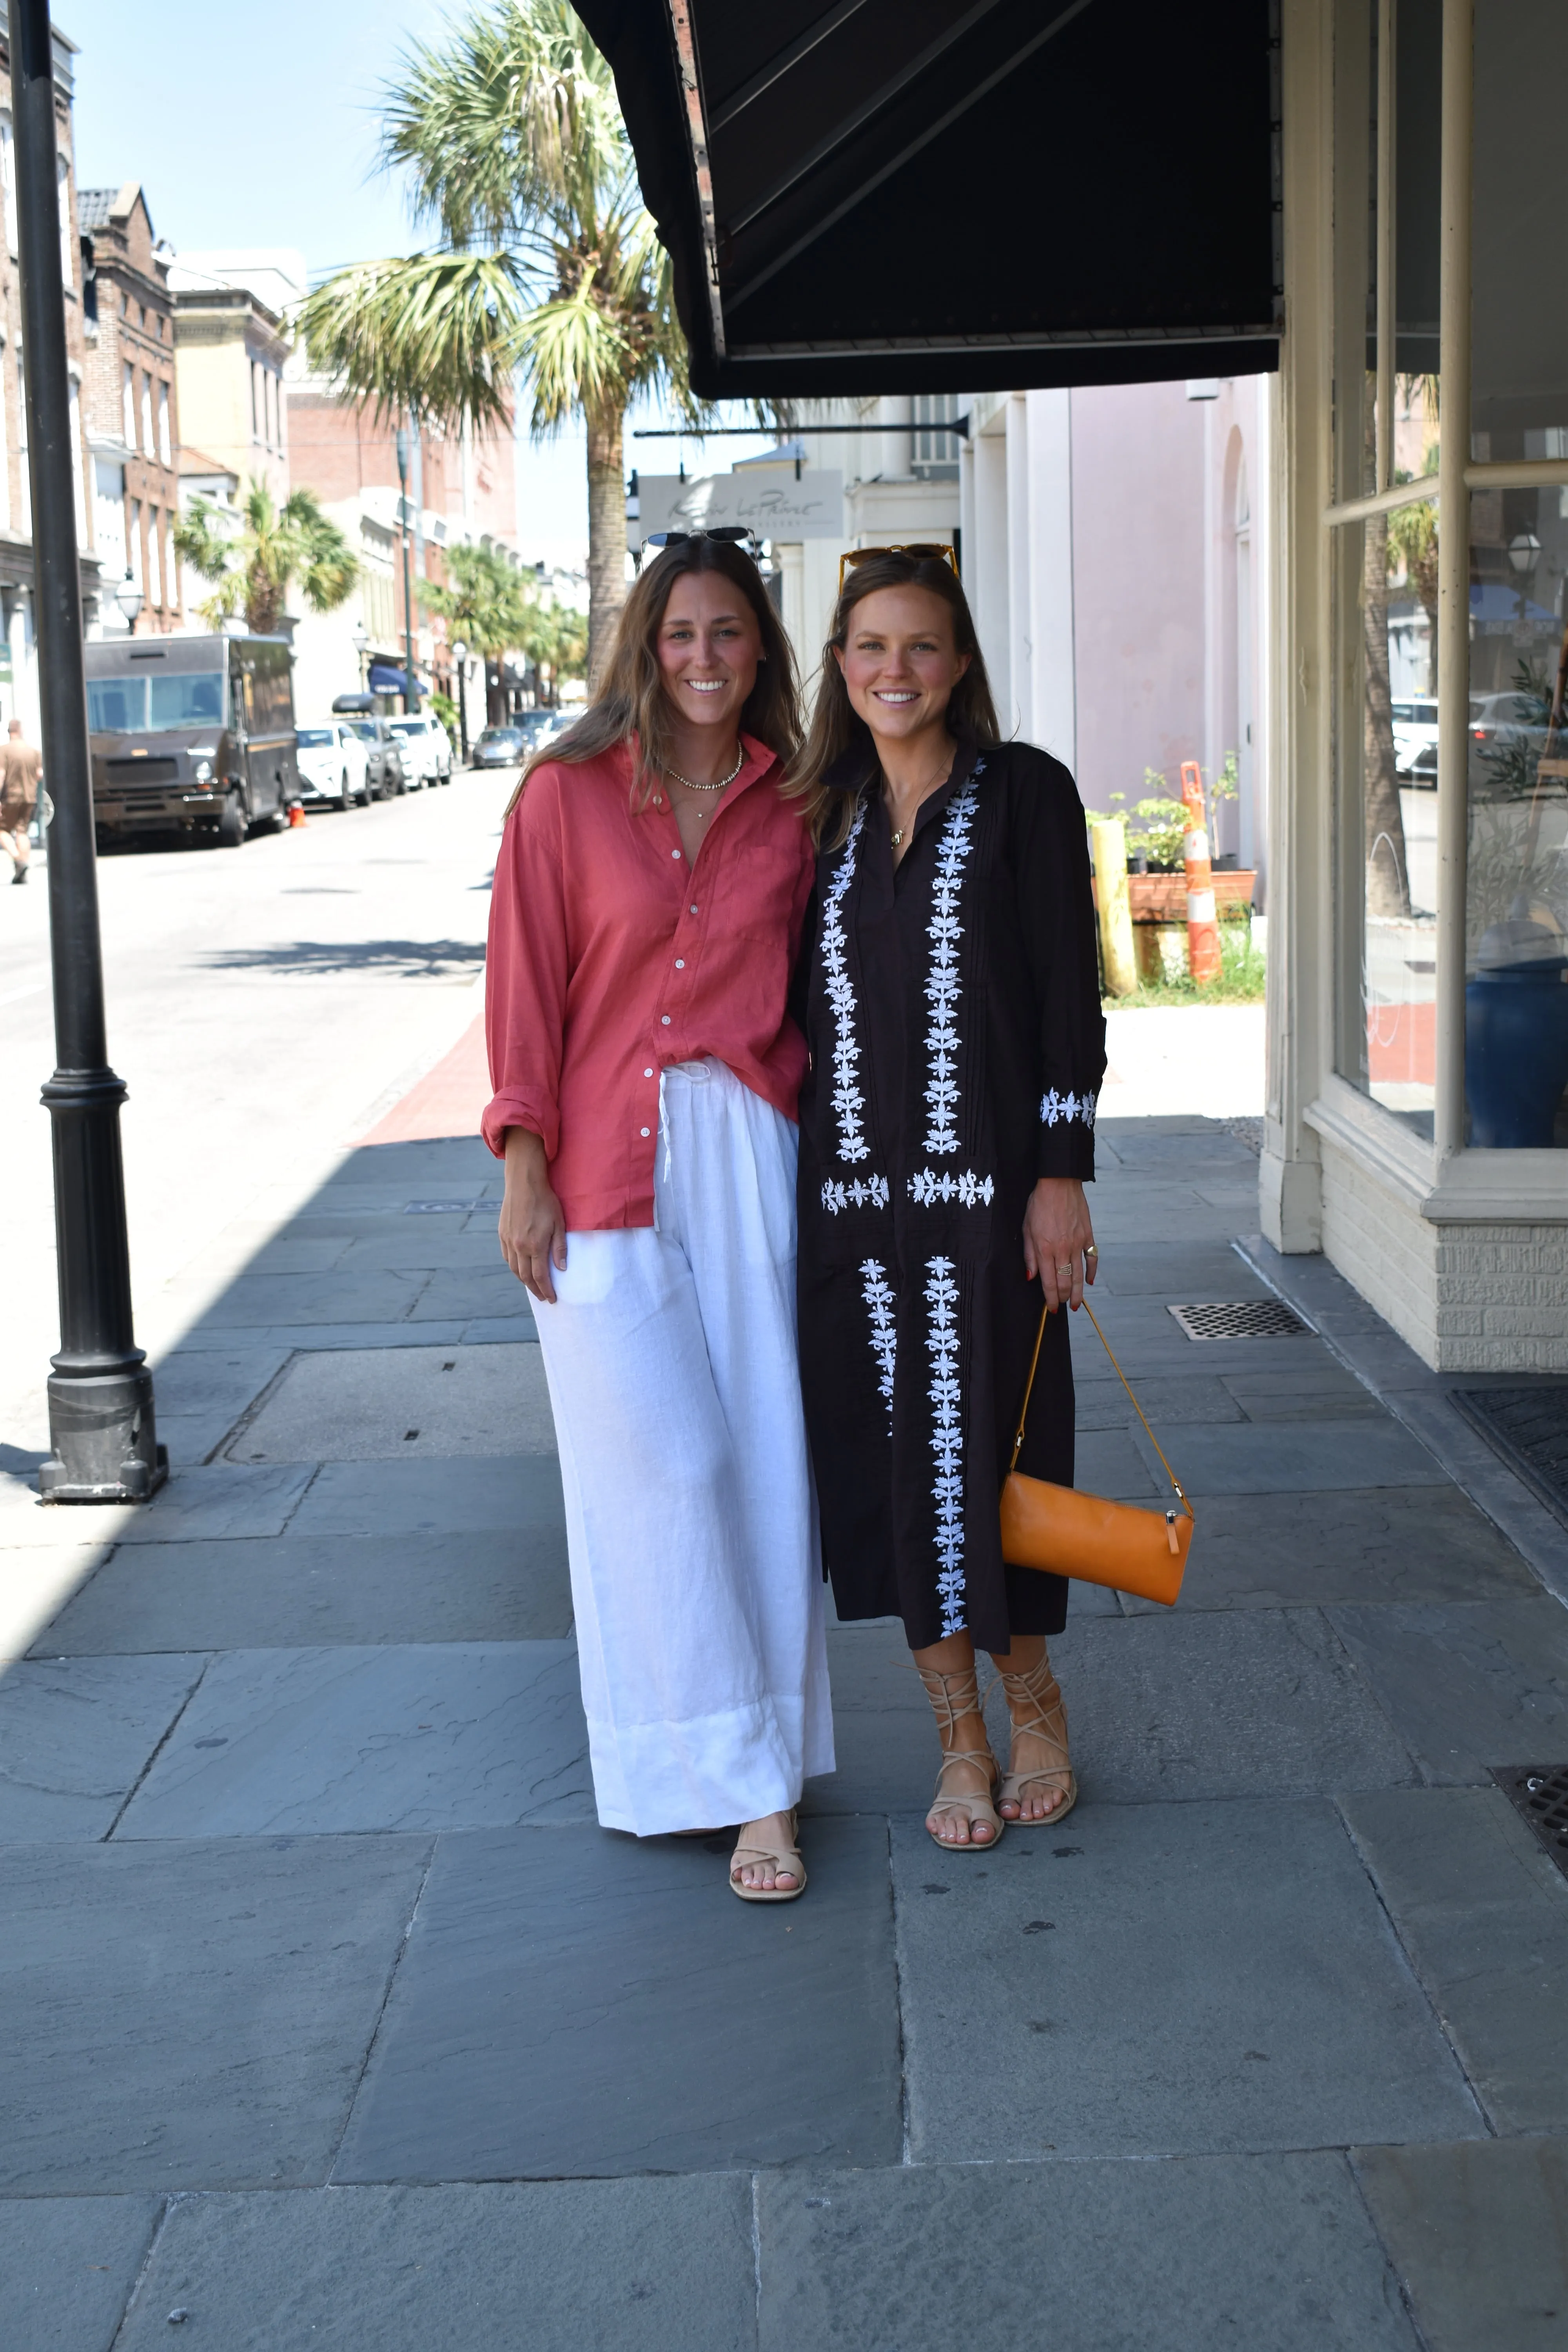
{"x": 926, "y": 789}
{"x": 724, "y": 781}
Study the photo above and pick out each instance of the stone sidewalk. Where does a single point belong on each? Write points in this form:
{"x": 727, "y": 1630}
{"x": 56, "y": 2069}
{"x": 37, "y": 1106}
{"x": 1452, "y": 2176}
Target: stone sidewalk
{"x": 333, "y": 2019}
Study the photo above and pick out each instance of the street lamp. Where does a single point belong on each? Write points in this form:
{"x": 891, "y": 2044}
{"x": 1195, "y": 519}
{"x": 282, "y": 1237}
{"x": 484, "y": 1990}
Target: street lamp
{"x": 361, "y": 646}
{"x": 410, "y": 700}
{"x": 1523, "y": 555}
{"x": 130, "y": 599}
{"x": 102, "y": 1437}
{"x": 461, "y": 655}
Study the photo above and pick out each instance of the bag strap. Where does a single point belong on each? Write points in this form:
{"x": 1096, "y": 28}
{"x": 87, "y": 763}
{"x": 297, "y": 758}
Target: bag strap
{"x": 1029, "y": 1390}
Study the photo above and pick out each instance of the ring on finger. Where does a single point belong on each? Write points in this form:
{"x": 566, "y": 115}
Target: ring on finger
{"x": 1093, "y": 1250}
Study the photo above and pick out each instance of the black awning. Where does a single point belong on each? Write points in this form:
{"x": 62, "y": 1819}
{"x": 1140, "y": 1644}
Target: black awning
{"x": 885, "y": 196}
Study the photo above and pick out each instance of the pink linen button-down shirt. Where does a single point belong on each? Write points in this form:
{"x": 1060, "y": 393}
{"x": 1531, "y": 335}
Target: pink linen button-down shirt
{"x": 611, "y": 957}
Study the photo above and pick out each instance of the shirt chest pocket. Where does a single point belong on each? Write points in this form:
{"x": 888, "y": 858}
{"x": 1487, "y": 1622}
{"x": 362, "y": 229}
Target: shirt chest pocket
{"x": 760, "y": 893}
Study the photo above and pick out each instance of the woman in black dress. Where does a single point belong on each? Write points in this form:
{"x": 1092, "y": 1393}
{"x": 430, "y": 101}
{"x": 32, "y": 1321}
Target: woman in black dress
{"x": 952, "y": 1008}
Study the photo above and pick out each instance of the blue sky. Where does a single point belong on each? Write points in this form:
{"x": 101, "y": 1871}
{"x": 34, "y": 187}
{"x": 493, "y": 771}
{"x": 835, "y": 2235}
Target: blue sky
{"x": 257, "y": 126}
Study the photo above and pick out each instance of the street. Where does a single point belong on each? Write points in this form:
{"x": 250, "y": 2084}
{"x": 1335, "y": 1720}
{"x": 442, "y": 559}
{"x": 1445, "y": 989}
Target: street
{"x": 258, "y": 1018}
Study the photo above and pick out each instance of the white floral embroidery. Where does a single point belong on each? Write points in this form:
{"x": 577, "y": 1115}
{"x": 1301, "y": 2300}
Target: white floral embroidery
{"x": 947, "y": 1438}
{"x": 971, "y": 1191}
{"x": 945, "y": 931}
{"x": 848, "y": 1099}
{"x": 1068, "y": 1107}
{"x": 871, "y": 1194}
{"x": 880, "y": 1304}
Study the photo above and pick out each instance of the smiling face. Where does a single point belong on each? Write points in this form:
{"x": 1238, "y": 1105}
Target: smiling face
{"x": 708, "y": 648}
{"x": 900, "y": 660}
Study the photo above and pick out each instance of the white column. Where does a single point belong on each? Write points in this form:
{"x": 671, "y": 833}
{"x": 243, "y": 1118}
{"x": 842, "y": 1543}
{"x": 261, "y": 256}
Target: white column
{"x": 1052, "y": 720}
{"x": 1017, "y": 714}
{"x": 1261, "y": 621}
{"x": 985, "y": 561}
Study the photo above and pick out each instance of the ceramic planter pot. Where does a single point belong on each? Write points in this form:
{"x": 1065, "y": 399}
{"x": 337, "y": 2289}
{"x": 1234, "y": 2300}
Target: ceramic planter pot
{"x": 1516, "y": 1054}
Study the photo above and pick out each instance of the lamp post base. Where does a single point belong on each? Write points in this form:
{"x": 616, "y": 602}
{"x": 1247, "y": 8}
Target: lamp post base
{"x": 106, "y": 1448}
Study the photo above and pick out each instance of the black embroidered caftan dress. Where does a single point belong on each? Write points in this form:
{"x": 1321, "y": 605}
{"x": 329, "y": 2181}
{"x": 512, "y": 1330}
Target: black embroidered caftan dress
{"x": 953, "y": 1011}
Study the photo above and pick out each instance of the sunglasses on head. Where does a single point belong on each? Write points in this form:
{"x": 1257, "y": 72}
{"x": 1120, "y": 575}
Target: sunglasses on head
{"x": 920, "y": 549}
{"x": 735, "y": 534}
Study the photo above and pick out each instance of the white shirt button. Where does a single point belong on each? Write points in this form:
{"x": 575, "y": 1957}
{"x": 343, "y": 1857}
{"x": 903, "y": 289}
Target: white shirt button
{"x": 691, "y": 910}
{"x": 644, "y": 1131}
{"x": 665, "y": 1018}
{"x": 681, "y": 963}
{"x": 647, "y": 1073}
{"x": 675, "y": 853}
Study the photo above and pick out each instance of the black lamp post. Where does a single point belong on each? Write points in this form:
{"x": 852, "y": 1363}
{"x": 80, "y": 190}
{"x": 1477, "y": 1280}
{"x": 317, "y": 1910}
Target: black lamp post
{"x": 410, "y": 698}
{"x": 101, "y": 1433}
{"x": 1523, "y": 555}
{"x": 130, "y": 599}
{"x": 460, "y": 656}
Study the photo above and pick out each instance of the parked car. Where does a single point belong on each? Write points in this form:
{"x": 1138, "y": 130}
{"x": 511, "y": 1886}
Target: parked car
{"x": 501, "y": 747}
{"x": 192, "y": 735}
{"x": 1415, "y": 738}
{"x": 384, "y": 771}
{"x": 332, "y": 763}
{"x": 427, "y": 749}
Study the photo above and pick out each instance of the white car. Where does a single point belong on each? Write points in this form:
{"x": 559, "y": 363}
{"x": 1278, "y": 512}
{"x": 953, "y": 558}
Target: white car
{"x": 330, "y": 759}
{"x": 427, "y": 749}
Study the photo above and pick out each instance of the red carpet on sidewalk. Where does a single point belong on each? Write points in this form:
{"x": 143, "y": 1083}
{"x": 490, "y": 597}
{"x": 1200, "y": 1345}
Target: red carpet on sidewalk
{"x": 447, "y": 1100}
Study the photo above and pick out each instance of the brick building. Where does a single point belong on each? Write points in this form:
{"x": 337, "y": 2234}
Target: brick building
{"x": 18, "y": 643}
{"x": 133, "y": 413}
{"x": 462, "y": 488}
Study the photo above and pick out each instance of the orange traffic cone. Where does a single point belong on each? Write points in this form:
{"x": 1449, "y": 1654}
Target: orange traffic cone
{"x": 1203, "y": 929}
{"x": 296, "y": 816}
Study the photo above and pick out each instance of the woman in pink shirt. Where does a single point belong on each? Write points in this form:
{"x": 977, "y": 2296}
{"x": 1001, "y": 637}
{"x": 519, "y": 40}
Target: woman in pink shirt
{"x": 649, "y": 898}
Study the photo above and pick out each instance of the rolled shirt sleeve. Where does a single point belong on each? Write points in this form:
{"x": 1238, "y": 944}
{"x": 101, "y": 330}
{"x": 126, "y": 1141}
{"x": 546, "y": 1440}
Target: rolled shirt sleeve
{"x": 526, "y": 971}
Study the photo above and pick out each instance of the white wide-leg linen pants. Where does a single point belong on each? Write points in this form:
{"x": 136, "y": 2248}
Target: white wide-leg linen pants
{"x": 691, "y": 1525}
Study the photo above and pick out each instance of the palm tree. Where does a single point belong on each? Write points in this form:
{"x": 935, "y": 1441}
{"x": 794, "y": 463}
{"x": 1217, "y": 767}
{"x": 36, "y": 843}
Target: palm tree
{"x": 254, "y": 569}
{"x": 550, "y": 270}
{"x": 485, "y": 601}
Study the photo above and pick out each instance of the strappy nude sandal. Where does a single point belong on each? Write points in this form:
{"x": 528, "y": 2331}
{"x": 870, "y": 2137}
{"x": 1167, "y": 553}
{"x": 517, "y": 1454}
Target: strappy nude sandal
{"x": 1049, "y": 1724}
{"x": 953, "y": 1696}
{"x": 749, "y": 1857}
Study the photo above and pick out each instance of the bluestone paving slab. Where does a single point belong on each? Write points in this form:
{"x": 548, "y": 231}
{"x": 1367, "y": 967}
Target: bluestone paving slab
{"x": 192, "y": 2015}
{"x": 1483, "y": 1913}
{"x": 1196, "y": 1270}
{"x": 75, "y": 1735}
{"x": 201, "y": 1394}
{"x": 1243, "y": 1704}
{"x": 1469, "y": 1685}
{"x": 1105, "y": 1405}
{"x": 402, "y": 1404}
{"x": 1107, "y": 1462}
{"x": 540, "y": 2266}
{"x": 66, "y": 2268}
{"x": 219, "y": 1499}
{"x": 430, "y": 1736}
{"x": 1260, "y": 2251}
{"x": 1158, "y": 1979}
{"x": 376, "y": 1295}
{"x": 1368, "y": 1544}
{"x": 575, "y": 2004}
{"x": 1477, "y": 2234}
{"x": 485, "y": 1331}
{"x": 457, "y": 1245}
{"x": 290, "y": 1336}
{"x": 519, "y": 1492}
{"x": 461, "y": 1297}
{"x": 283, "y": 1592}
{"x": 1281, "y": 1456}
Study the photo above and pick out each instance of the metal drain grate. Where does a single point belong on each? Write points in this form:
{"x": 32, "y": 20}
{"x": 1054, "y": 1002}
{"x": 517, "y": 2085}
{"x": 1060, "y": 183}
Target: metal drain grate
{"x": 1240, "y": 1318}
{"x": 1540, "y": 1793}
{"x": 1529, "y": 1427}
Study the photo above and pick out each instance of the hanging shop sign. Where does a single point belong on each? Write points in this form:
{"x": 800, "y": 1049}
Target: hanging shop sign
{"x": 773, "y": 503}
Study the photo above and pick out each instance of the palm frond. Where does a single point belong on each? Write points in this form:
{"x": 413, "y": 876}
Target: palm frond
{"x": 439, "y": 333}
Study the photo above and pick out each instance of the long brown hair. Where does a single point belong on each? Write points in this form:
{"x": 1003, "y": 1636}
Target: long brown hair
{"x": 836, "y": 726}
{"x": 631, "y": 705}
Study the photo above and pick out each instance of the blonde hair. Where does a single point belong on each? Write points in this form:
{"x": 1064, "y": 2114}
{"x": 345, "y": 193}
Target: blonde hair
{"x": 836, "y": 726}
{"x": 631, "y": 705}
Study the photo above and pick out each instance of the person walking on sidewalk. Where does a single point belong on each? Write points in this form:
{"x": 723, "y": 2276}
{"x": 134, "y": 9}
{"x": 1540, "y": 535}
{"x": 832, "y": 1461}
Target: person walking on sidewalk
{"x": 947, "y": 1129}
{"x": 20, "y": 769}
{"x": 649, "y": 900}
